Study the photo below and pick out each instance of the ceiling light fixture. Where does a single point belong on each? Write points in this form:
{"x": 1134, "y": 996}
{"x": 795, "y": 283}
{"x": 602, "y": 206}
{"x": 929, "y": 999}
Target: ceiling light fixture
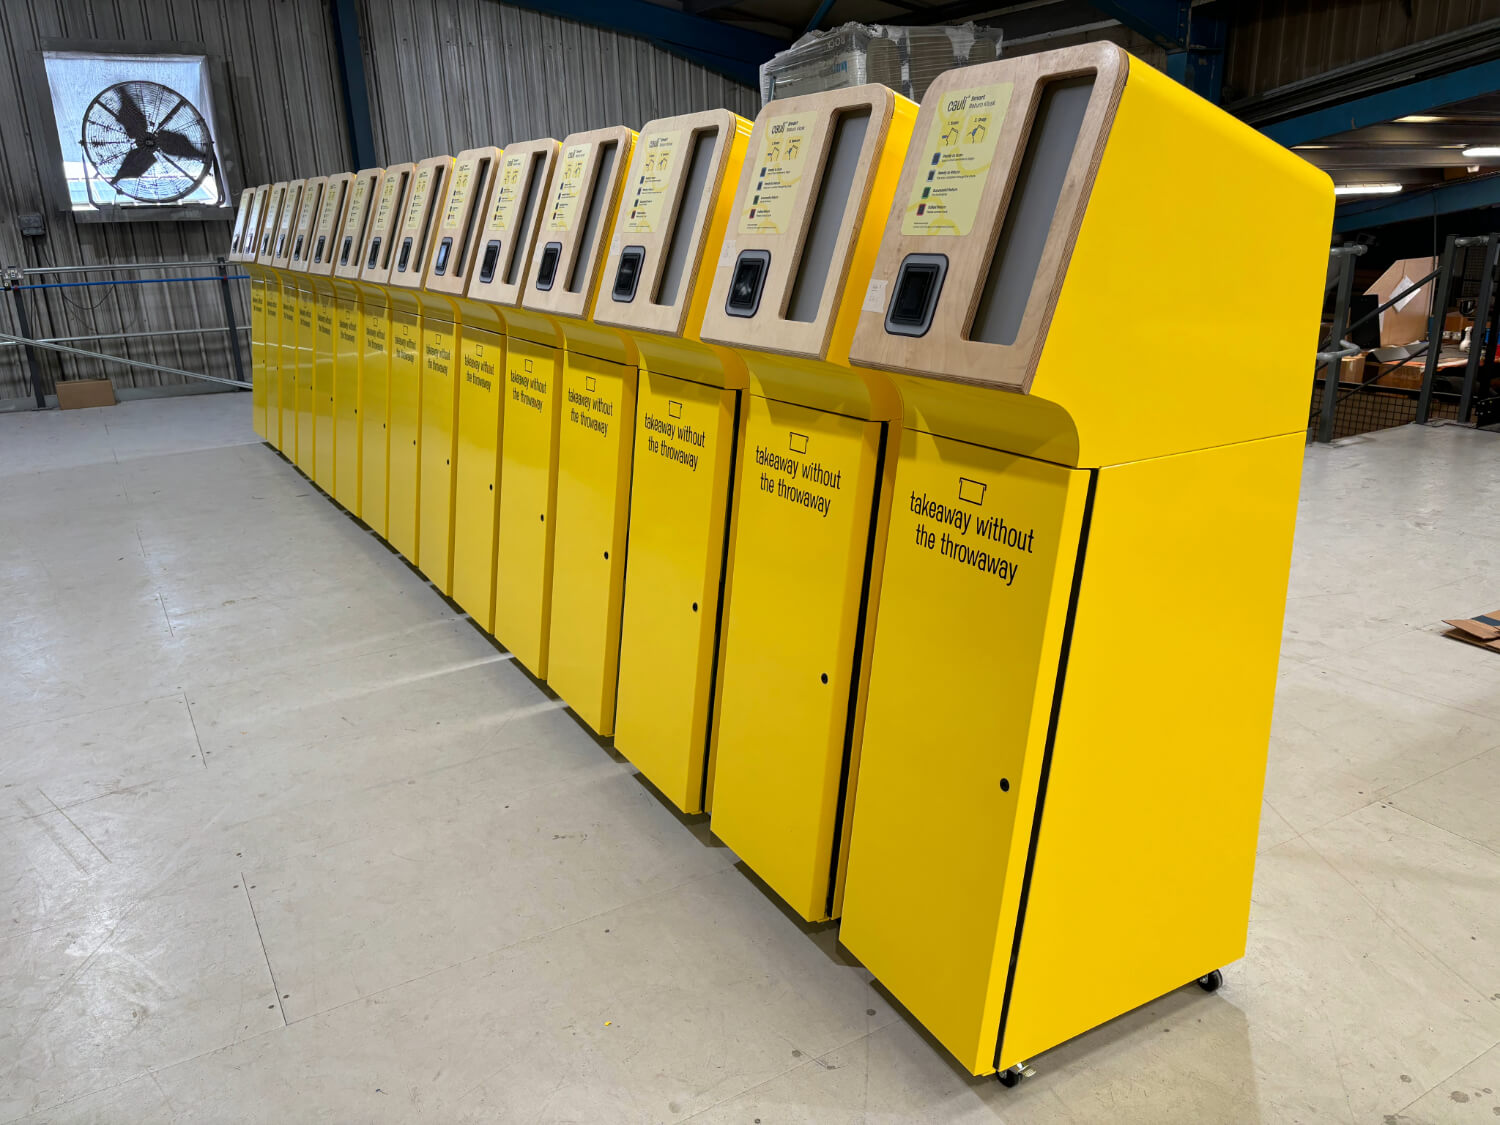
{"x": 1366, "y": 189}
{"x": 1417, "y": 119}
{"x": 1483, "y": 150}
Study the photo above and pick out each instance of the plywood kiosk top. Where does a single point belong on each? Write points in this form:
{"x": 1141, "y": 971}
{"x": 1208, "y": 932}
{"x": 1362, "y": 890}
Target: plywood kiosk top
{"x": 670, "y": 203}
{"x": 414, "y": 239}
{"x": 307, "y": 219}
{"x": 468, "y": 192}
{"x": 265, "y": 235}
{"x": 349, "y": 253}
{"x": 250, "y": 243}
{"x": 390, "y": 206}
{"x": 986, "y": 214}
{"x": 291, "y": 208}
{"x": 512, "y": 218}
{"x": 567, "y": 261}
{"x": 248, "y": 199}
{"x": 802, "y": 197}
{"x": 325, "y": 234}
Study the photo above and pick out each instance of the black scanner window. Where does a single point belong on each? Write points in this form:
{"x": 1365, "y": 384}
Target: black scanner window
{"x": 318, "y": 250}
{"x": 345, "y": 252}
{"x": 546, "y": 270}
{"x": 748, "y": 282}
{"x": 405, "y": 255}
{"x": 440, "y": 266}
{"x": 628, "y": 276}
{"x": 918, "y": 284}
{"x": 374, "y": 252}
{"x": 490, "y": 261}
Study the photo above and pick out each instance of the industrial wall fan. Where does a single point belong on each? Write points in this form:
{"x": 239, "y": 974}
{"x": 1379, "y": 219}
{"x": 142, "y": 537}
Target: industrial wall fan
{"x": 146, "y": 141}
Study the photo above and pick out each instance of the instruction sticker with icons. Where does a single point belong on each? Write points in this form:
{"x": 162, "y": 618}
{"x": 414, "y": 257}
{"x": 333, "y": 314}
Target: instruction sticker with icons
{"x": 956, "y": 161}
{"x": 357, "y": 202}
{"x": 569, "y": 187}
{"x": 649, "y": 192}
{"x": 508, "y": 193}
{"x": 418, "y": 202}
{"x": 387, "y": 201}
{"x": 778, "y": 174}
{"x": 456, "y": 193}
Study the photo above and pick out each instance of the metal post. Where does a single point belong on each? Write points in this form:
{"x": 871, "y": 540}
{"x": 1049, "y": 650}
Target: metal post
{"x": 23, "y": 325}
{"x": 1481, "y": 325}
{"x": 1440, "y": 290}
{"x": 234, "y": 336}
{"x": 1345, "y": 293}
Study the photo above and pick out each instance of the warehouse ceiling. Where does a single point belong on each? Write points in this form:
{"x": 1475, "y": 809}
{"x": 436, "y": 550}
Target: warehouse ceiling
{"x": 1415, "y": 151}
{"x": 1031, "y": 21}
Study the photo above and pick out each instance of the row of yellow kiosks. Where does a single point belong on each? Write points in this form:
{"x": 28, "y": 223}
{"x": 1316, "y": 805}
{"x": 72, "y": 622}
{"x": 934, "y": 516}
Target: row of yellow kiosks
{"x": 783, "y": 454}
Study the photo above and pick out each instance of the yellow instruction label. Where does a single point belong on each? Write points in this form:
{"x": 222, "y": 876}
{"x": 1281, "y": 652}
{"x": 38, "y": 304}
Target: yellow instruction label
{"x": 778, "y": 174}
{"x": 330, "y": 208}
{"x": 418, "y": 202}
{"x": 653, "y": 175}
{"x": 309, "y": 201}
{"x": 387, "y": 202}
{"x": 508, "y": 192}
{"x": 956, "y": 161}
{"x": 356, "y": 212}
{"x": 457, "y": 192}
{"x": 569, "y": 187}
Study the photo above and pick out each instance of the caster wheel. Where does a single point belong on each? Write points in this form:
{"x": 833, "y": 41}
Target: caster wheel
{"x": 1211, "y": 982}
{"x": 1011, "y": 1077}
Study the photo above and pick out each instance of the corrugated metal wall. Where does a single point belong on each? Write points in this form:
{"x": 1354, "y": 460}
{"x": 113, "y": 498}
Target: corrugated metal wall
{"x": 266, "y": 45}
{"x": 1274, "y": 42}
{"x": 446, "y": 75}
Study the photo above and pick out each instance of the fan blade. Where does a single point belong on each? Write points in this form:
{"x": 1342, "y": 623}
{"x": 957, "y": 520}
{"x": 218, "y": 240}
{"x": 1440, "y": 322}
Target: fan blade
{"x": 137, "y": 164}
{"x": 129, "y": 115}
{"x": 174, "y": 143}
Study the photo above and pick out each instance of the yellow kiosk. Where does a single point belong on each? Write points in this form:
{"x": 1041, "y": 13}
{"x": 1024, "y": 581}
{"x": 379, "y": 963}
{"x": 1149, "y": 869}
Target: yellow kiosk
{"x": 266, "y": 282}
{"x": 296, "y": 381}
{"x": 281, "y": 394}
{"x": 447, "y": 276}
{"x": 1077, "y": 646}
{"x": 496, "y": 276}
{"x": 325, "y": 340}
{"x": 672, "y": 221}
{"x": 812, "y": 489}
{"x": 244, "y": 250}
{"x": 412, "y": 248}
{"x": 555, "y": 307}
{"x": 348, "y": 328}
{"x": 375, "y": 362}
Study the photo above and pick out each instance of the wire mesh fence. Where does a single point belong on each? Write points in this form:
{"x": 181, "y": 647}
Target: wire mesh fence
{"x": 1368, "y": 408}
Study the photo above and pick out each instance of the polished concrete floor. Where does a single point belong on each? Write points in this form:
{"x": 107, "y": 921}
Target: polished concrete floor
{"x": 282, "y": 838}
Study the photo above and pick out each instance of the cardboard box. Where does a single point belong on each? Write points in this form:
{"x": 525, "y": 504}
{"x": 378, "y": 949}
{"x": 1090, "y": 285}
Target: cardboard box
{"x": 1352, "y": 368}
{"x": 1406, "y": 320}
{"x": 75, "y": 394}
{"x": 1454, "y": 326}
{"x": 1483, "y": 629}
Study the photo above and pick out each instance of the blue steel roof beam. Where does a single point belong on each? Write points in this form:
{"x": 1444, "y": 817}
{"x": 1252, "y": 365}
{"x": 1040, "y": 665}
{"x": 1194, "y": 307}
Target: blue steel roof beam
{"x": 723, "y": 48}
{"x": 1443, "y": 199}
{"x": 1387, "y": 105}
